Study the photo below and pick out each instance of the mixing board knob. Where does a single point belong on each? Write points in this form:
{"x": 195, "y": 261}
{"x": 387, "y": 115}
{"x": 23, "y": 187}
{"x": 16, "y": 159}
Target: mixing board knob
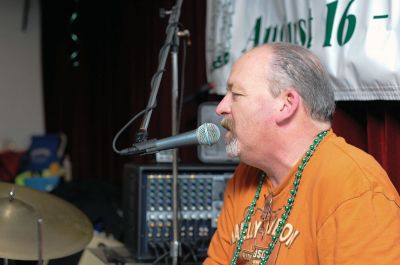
{"x": 152, "y": 217}
{"x": 194, "y": 216}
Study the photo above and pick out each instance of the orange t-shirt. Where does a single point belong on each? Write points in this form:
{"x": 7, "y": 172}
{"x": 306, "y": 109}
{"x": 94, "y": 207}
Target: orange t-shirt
{"x": 346, "y": 212}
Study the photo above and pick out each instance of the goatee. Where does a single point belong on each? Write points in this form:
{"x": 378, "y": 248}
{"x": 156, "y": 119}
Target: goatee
{"x": 232, "y": 146}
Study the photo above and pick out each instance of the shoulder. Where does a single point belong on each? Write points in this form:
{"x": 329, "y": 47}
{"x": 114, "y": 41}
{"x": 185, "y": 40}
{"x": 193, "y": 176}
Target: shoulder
{"x": 341, "y": 173}
{"x": 348, "y": 168}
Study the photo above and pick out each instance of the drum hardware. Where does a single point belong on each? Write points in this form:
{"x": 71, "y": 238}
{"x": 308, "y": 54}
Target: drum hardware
{"x": 35, "y": 225}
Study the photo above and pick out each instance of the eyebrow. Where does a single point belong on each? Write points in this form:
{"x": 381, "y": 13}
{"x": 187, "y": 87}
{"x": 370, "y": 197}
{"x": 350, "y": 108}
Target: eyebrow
{"x": 229, "y": 87}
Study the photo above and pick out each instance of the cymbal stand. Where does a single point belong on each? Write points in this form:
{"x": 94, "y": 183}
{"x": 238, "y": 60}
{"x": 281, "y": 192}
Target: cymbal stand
{"x": 40, "y": 240}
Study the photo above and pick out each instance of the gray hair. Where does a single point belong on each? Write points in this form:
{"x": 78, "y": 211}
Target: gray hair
{"x": 296, "y": 67}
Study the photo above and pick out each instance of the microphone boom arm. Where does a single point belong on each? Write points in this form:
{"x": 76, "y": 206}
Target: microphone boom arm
{"x": 156, "y": 80}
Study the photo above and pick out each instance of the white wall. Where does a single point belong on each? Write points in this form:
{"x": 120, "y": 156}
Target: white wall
{"x": 21, "y": 99}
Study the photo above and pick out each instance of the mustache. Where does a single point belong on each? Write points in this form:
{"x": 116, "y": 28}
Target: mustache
{"x": 227, "y": 123}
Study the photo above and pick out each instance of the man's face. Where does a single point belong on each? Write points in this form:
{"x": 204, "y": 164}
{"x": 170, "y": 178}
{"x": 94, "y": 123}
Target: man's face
{"x": 247, "y": 108}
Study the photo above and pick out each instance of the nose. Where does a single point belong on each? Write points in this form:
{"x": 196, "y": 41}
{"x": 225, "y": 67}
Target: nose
{"x": 223, "y": 107}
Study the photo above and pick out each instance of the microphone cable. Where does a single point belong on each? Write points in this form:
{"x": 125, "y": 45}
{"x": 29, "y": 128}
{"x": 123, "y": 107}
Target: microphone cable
{"x": 126, "y": 126}
{"x": 160, "y": 258}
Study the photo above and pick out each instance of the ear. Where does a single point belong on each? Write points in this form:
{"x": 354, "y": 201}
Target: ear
{"x": 289, "y": 104}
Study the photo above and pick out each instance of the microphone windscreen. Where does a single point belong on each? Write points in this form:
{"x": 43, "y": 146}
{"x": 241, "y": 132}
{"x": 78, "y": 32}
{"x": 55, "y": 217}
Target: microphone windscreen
{"x": 208, "y": 133}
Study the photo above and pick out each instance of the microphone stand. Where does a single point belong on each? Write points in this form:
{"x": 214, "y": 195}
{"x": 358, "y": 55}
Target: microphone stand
{"x": 175, "y": 247}
{"x": 175, "y": 244}
{"x": 171, "y": 41}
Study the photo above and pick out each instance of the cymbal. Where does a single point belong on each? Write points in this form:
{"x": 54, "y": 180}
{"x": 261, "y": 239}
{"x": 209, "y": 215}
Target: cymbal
{"x": 65, "y": 230}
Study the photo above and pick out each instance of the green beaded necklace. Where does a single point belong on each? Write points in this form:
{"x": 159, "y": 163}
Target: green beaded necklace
{"x": 288, "y": 206}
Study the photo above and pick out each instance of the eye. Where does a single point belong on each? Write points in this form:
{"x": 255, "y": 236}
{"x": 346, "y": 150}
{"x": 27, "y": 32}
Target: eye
{"x": 234, "y": 94}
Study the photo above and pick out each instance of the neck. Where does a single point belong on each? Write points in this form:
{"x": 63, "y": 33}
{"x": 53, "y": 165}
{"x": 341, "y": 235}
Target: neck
{"x": 292, "y": 146}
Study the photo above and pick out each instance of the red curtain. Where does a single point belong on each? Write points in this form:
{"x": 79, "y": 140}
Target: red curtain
{"x": 374, "y": 127}
{"x": 119, "y": 44}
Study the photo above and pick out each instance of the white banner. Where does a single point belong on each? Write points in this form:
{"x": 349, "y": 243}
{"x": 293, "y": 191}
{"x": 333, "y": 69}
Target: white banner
{"x": 357, "y": 40}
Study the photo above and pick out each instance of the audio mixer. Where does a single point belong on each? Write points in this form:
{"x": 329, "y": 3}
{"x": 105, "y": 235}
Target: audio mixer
{"x": 148, "y": 208}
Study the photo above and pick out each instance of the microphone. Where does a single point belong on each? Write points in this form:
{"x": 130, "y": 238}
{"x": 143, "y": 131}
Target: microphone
{"x": 206, "y": 134}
